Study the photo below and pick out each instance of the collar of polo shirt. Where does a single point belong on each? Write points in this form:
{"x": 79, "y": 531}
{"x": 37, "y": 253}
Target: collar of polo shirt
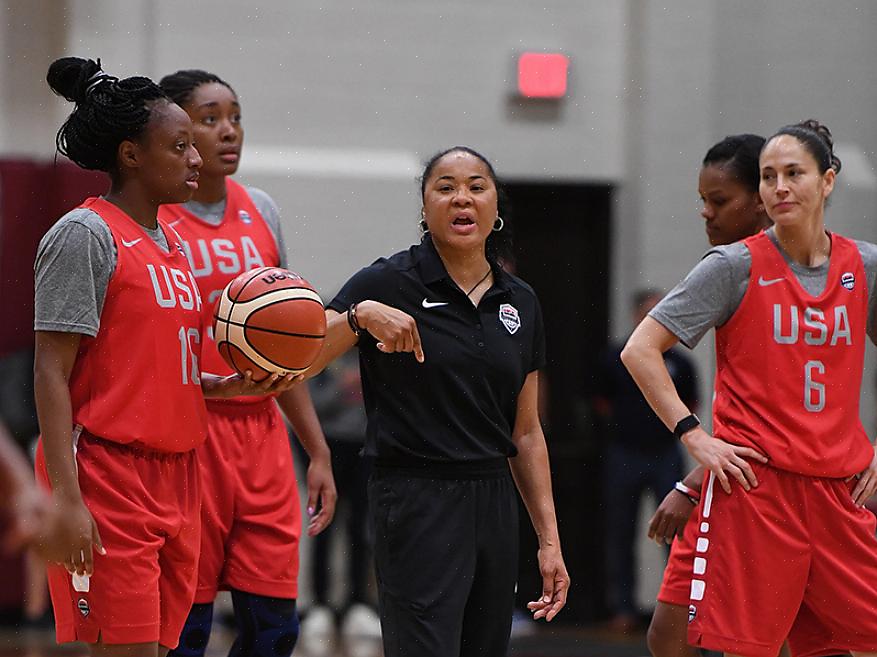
{"x": 432, "y": 268}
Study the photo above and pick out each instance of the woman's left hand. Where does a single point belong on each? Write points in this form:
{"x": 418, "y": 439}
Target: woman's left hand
{"x": 555, "y": 584}
{"x": 321, "y": 495}
{"x": 867, "y": 484}
{"x": 236, "y": 385}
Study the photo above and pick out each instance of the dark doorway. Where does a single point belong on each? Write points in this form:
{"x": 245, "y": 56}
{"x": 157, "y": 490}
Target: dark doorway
{"x": 561, "y": 237}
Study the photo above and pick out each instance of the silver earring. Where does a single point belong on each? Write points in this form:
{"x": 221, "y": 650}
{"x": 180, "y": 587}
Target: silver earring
{"x": 498, "y": 224}
{"x": 424, "y": 227}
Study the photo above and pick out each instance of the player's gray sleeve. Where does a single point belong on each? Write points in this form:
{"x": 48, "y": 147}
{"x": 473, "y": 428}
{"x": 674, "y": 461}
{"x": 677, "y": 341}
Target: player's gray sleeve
{"x": 74, "y": 263}
{"x": 868, "y": 252}
{"x": 708, "y": 296}
{"x": 269, "y": 210}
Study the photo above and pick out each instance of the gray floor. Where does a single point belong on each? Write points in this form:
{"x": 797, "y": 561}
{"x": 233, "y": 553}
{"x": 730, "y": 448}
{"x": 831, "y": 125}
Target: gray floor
{"x": 553, "y": 642}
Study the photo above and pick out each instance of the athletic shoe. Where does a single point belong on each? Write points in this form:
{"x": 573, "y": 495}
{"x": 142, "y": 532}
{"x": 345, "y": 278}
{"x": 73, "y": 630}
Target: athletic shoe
{"x": 361, "y": 621}
{"x": 317, "y": 634}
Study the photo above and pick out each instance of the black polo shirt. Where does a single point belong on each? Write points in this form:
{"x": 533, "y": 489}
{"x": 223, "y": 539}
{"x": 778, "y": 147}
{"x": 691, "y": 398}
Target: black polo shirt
{"x": 460, "y": 404}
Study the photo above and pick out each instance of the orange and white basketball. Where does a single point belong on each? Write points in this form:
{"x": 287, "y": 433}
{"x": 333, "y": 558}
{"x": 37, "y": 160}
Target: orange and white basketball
{"x": 269, "y": 320}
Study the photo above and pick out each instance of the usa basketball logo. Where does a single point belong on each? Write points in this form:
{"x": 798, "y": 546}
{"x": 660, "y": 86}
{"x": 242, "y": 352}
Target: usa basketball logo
{"x": 509, "y": 317}
{"x": 244, "y": 216}
{"x": 692, "y": 613}
{"x": 848, "y": 280}
{"x": 82, "y": 604}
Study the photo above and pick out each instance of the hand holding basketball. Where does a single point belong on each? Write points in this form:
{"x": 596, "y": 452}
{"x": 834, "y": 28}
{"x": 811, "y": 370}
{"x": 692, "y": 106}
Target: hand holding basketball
{"x": 394, "y": 330}
{"x": 241, "y": 385}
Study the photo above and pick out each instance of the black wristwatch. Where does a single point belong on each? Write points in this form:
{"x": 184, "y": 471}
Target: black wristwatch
{"x": 686, "y": 424}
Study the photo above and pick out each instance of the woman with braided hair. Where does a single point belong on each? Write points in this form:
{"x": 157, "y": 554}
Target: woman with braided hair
{"x": 120, "y": 396}
{"x": 251, "y": 521}
{"x": 784, "y": 546}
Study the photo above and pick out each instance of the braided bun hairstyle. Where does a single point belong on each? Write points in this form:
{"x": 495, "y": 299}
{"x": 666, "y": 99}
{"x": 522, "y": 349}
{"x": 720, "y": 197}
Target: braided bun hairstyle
{"x": 108, "y": 111}
{"x": 818, "y": 141}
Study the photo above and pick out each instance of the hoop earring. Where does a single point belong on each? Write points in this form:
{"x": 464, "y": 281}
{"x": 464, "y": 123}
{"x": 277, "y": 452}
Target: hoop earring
{"x": 424, "y": 227}
{"x": 499, "y": 224}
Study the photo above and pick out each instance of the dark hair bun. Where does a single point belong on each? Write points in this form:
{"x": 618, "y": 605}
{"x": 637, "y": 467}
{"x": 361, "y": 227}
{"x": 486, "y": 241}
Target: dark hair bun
{"x": 822, "y": 131}
{"x": 70, "y": 77}
{"x": 107, "y": 111}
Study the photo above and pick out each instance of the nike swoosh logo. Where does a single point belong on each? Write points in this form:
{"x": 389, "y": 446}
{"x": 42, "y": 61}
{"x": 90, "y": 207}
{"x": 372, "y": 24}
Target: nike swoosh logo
{"x": 432, "y": 304}
{"x": 764, "y": 283}
{"x": 132, "y": 242}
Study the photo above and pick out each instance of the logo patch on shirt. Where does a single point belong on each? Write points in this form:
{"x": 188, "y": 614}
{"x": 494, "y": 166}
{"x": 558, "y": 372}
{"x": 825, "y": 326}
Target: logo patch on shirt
{"x": 692, "y": 613}
{"x": 82, "y": 604}
{"x": 244, "y": 216}
{"x": 509, "y": 317}
{"x": 848, "y": 280}
{"x": 763, "y": 282}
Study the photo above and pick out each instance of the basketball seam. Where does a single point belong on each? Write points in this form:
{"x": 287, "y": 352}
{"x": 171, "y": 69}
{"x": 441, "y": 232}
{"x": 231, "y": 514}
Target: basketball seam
{"x": 256, "y": 273}
{"x": 247, "y": 327}
{"x": 282, "y": 289}
{"x": 269, "y": 305}
{"x": 255, "y": 356}
{"x": 250, "y": 363}
{"x": 270, "y": 360}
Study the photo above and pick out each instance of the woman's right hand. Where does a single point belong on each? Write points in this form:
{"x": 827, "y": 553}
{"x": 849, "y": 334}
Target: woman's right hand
{"x": 80, "y": 527}
{"x": 670, "y": 518}
{"x": 723, "y": 459}
{"x": 394, "y": 330}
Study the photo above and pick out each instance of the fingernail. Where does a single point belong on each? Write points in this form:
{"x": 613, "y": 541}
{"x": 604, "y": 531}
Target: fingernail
{"x": 546, "y": 598}
{"x": 310, "y": 510}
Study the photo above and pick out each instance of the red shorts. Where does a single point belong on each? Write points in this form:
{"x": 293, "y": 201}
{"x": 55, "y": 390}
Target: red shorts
{"x": 794, "y": 557}
{"x": 676, "y": 585}
{"x": 145, "y": 504}
{"x": 251, "y": 521}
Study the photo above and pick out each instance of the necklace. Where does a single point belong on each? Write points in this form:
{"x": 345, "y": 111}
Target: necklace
{"x": 483, "y": 278}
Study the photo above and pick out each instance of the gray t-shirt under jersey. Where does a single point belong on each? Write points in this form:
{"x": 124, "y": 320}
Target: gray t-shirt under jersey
{"x": 212, "y": 213}
{"x": 713, "y": 290}
{"x": 77, "y": 257}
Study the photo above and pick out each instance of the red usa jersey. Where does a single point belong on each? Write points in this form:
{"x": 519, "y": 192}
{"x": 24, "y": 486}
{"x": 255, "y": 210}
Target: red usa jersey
{"x": 789, "y": 365}
{"x": 138, "y": 380}
{"x": 218, "y": 253}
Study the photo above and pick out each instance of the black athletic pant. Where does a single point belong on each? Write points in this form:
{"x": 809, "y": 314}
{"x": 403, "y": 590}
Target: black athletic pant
{"x": 446, "y": 555}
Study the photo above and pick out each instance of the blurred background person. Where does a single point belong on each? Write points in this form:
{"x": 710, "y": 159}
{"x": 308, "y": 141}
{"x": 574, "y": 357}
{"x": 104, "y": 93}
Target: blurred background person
{"x": 337, "y": 396}
{"x": 641, "y": 456}
{"x": 29, "y": 517}
{"x": 732, "y": 211}
{"x": 250, "y": 511}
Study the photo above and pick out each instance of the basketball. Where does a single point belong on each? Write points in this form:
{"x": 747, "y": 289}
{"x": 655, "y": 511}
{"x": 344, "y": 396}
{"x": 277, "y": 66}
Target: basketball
{"x": 269, "y": 320}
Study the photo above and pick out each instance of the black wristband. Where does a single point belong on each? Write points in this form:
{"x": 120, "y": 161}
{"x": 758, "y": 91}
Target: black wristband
{"x": 685, "y": 425}
{"x": 351, "y": 320}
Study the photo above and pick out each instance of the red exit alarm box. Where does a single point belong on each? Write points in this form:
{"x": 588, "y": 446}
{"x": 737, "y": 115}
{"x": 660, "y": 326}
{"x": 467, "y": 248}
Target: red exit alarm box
{"x": 542, "y": 75}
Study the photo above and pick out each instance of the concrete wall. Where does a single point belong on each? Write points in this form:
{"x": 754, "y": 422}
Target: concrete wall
{"x": 343, "y": 103}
